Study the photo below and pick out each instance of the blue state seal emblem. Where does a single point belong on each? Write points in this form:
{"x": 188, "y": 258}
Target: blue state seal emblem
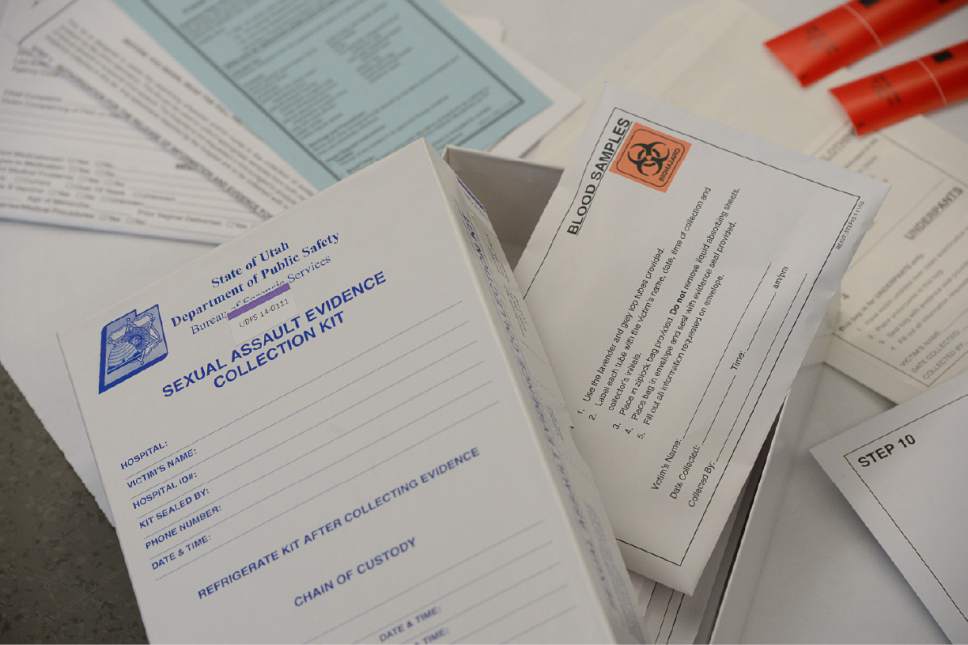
{"x": 131, "y": 344}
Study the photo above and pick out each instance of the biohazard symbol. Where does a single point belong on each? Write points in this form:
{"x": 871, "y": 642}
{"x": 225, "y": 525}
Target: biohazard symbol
{"x": 648, "y": 158}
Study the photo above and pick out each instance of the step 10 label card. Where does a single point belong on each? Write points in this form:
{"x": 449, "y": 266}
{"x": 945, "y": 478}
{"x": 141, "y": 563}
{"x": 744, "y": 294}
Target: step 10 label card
{"x": 903, "y": 473}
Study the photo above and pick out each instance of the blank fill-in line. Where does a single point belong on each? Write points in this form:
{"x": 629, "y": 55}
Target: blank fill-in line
{"x": 760, "y": 369}
{"x": 539, "y": 624}
{"x": 760, "y": 324}
{"x": 486, "y": 600}
{"x": 491, "y": 623}
{"x": 463, "y": 639}
{"x": 658, "y": 634}
{"x": 725, "y": 349}
{"x": 719, "y": 408}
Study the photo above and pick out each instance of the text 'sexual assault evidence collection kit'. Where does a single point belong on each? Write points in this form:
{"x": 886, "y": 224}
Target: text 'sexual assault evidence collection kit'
{"x": 343, "y": 426}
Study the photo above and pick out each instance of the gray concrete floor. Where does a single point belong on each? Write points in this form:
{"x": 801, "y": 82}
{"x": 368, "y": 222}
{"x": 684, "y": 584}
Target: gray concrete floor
{"x": 62, "y": 577}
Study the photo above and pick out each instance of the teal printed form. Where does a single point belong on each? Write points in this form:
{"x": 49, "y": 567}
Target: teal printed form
{"x": 333, "y": 86}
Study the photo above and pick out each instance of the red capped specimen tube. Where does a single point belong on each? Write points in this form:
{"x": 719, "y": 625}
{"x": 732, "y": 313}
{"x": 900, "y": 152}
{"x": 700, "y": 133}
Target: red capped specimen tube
{"x": 851, "y": 31}
{"x": 915, "y": 87}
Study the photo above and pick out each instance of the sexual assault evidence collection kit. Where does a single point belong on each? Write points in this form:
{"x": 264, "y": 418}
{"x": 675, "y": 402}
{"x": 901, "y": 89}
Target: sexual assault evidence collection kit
{"x": 368, "y": 441}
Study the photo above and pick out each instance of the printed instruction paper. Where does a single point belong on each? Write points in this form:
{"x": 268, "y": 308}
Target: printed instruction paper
{"x": 330, "y": 429}
{"x": 903, "y": 473}
{"x": 677, "y": 277}
{"x": 99, "y": 47}
{"x": 65, "y": 160}
{"x": 904, "y": 306}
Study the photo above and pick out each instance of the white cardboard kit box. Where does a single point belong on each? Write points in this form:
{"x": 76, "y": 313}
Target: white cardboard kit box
{"x": 252, "y": 433}
{"x": 514, "y": 194}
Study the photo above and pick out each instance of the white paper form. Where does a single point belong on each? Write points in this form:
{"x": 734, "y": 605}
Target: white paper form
{"x": 65, "y": 160}
{"x": 108, "y": 55}
{"x": 903, "y": 473}
{"x": 677, "y": 277}
{"x": 886, "y": 335}
{"x": 904, "y": 305}
{"x": 352, "y": 444}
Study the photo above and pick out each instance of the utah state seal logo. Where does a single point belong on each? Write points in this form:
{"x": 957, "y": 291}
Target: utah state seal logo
{"x": 131, "y": 344}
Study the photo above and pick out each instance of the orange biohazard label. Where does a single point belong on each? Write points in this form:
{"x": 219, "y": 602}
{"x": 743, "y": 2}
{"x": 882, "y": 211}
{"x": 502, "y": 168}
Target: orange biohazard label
{"x": 650, "y": 157}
